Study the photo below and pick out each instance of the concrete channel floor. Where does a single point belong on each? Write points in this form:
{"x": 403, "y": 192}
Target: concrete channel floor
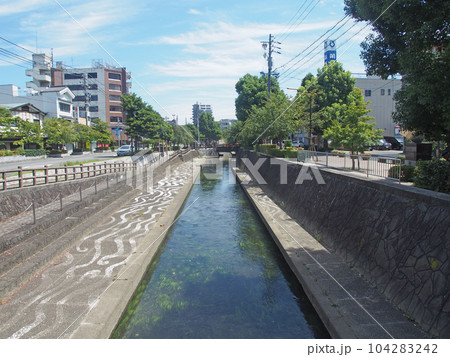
{"x": 55, "y": 302}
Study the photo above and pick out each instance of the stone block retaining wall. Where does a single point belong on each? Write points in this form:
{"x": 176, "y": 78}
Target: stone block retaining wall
{"x": 397, "y": 237}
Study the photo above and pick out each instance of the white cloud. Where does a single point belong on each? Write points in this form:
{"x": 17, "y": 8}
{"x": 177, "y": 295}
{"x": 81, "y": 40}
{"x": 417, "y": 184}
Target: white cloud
{"x": 194, "y": 12}
{"x": 21, "y": 6}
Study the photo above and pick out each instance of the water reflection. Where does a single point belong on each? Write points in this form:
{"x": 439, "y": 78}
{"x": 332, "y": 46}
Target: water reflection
{"x": 219, "y": 275}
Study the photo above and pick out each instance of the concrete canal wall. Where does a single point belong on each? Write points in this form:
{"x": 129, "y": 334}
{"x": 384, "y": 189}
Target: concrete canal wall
{"x": 397, "y": 237}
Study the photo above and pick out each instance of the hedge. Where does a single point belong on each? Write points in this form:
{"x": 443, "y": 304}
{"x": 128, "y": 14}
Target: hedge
{"x": 407, "y": 173}
{"x": 433, "y": 175}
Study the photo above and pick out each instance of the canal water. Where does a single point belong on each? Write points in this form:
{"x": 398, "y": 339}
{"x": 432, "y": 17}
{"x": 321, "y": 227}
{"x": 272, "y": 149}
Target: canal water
{"x": 219, "y": 275}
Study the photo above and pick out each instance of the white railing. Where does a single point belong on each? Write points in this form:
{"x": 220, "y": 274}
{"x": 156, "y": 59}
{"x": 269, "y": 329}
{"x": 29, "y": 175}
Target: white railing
{"x": 370, "y": 165}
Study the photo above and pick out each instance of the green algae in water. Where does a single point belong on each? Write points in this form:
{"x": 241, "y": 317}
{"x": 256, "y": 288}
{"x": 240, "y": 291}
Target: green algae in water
{"x": 219, "y": 275}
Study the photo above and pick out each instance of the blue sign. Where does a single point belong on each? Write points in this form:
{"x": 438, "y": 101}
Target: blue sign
{"x": 330, "y": 56}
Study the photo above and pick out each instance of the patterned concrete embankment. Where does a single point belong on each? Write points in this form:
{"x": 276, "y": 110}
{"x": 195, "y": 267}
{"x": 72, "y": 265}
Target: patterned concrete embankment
{"x": 348, "y": 306}
{"x": 83, "y": 292}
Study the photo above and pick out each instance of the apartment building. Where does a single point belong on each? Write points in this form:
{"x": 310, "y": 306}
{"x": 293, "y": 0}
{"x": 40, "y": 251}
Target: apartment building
{"x": 197, "y": 109}
{"x": 380, "y": 93}
{"x": 98, "y": 88}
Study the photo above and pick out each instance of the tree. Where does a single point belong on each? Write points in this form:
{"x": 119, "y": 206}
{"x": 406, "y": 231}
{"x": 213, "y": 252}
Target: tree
{"x": 209, "y": 128}
{"x": 252, "y": 91}
{"x": 412, "y": 39}
{"x": 231, "y": 134}
{"x": 349, "y": 124}
{"x": 275, "y": 121}
{"x": 100, "y": 131}
{"x": 59, "y": 131}
{"x": 29, "y": 132}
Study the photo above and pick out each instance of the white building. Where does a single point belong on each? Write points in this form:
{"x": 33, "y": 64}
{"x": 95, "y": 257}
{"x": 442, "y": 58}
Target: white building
{"x": 226, "y": 123}
{"x": 380, "y": 93}
{"x": 197, "y": 109}
{"x": 54, "y": 101}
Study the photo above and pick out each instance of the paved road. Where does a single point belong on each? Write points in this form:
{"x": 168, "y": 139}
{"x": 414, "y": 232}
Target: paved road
{"x": 51, "y": 161}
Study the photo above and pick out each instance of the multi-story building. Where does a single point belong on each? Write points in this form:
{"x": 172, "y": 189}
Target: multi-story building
{"x": 199, "y": 108}
{"x": 380, "y": 93}
{"x": 99, "y": 89}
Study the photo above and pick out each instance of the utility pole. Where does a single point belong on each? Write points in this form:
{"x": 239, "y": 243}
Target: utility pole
{"x": 87, "y": 99}
{"x": 272, "y": 48}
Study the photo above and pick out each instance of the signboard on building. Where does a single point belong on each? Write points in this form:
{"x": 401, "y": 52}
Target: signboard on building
{"x": 329, "y": 51}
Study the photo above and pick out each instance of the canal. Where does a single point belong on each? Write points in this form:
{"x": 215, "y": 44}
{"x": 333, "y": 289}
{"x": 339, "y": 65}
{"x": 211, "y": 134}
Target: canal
{"x": 219, "y": 275}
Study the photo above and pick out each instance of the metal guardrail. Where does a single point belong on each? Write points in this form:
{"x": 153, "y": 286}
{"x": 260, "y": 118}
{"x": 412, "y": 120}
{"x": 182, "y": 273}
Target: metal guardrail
{"x": 18, "y": 178}
{"x": 378, "y": 166}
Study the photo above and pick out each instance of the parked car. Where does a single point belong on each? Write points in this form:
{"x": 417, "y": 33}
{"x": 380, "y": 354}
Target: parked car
{"x": 396, "y": 144}
{"x": 124, "y": 150}
{"x": 380, "y": 144}
{"x": 297, "y": 144}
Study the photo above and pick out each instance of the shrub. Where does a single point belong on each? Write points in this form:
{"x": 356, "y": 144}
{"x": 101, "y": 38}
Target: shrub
{"x": 264, "y": 148}
{"x": 8, "y": 153}
{"x": 176, "y": 147}
{"x": 34, "y": 152}
{"x": 57, "y": 152}
{"x": 288, "y": 143}
{"x": 407, "y": 174}
{"x": 433, "y": 175}
{"x": 276, "y": 152}
{"x": 290, "y": 153}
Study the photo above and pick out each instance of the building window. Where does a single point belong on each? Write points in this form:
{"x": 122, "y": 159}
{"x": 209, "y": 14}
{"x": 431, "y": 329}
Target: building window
{"x": 93, "y": 108}
{"x": 115, "y": 98}
{"x": 115, "y": 119}
{"x": 367, "y": 93}
{"x": 113, "y": 108}
{"x": 114, "y": 76}
{"x": 94, "y": 98}
{"x": 73, "y": 75}
{"x": 382, "y": 91}
{"x": 92, "y": 86}
{"x": 64, "y": 107}
{"x": 115, "y": 87}
{"x": 79, "y": 98}
{"x": 76, "y": 87}
{"x": 389, "y": 92}
{"x": 92, "y": 75}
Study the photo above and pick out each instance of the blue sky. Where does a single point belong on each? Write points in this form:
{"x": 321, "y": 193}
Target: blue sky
{"x": 179, "y": 52}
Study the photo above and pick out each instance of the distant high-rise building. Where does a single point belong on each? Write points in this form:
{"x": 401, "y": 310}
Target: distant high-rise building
{"x": 199, "y": 108}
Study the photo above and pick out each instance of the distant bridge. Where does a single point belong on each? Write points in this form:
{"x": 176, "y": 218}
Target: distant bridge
{"x": 227, "y": 148}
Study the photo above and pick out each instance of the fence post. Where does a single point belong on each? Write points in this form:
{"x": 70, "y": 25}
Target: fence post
{"x": 20, "y": 176}
{"x": 327, "y": 159}
{"x": 60, "y": 201}
{"x": 34, "y": 212}
{"x": 4, "y": 180}
{"x": 46, "y": 174}
{"x": 81, "y": 169}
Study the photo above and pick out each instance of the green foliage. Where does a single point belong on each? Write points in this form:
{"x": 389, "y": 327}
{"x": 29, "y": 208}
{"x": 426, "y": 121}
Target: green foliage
{"x": 264, "y": 148}
{"x": 252, "y": 92}
{"x": 59, "y": 131}
{"x": 8, "y": 153}
{"x": 349, "y": 126}
{"x": 411, "y": 38}
{"x": 433, "y": 175}
{"x": 34, "y": 152}
{"x": 100, "y": 131}
{"x": 231, "y": 134}
{"x": 407, "y": 172}
{"x": 209, "y": 128}
{"x": 276, "y": 152}
{"x": 288, "y": 143}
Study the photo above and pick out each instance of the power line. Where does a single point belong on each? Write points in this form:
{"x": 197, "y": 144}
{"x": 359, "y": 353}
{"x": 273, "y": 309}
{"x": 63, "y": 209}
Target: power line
{"x": 10, "y": 54}
{"x": 292, "y": 18}
{"x": 15, "y": 44}
{"x": 15, "y": 64}
{"x": 301, "y": 21}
